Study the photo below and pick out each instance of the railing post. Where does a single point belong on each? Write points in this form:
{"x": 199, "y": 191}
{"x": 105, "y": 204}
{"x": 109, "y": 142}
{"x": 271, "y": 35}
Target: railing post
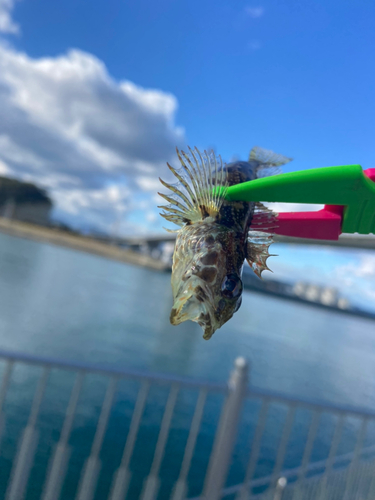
{"x": 280, "y": 487}
{"x": 152, "y": 482}
{"x": 226, "y": 432}
{"x": 92, "y": 467}
{"x": 52, "y": 488}
{"x": 3, "y": 392}
{"x": 23, "y": 462}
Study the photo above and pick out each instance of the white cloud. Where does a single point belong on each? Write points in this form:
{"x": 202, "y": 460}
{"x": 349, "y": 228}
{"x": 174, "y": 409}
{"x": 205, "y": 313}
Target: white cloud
{"x": 364, "y": 267}
{"x": 351, "y": 272}
{"x": 151, "y": 216}
{"x": 254, "y": 45}
{"x": 357, "y": 276}
{"x": 254, "y": 12}
{"x": 90, "y": 140}
{"x": 7, "y": 25}
{"x": 4, "y": 169}
{"x": 149, "y": 183}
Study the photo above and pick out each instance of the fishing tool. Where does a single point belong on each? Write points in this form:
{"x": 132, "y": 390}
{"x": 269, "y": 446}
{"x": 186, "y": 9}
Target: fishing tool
{"x": 347, "y": 191}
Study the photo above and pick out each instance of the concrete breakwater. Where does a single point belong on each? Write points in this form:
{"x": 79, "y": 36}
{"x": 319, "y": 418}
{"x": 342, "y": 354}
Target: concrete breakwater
{"x": 78, "y": 242}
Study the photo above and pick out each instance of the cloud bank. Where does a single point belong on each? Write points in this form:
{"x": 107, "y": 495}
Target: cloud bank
{"x": 7, "y": 25}
{"x": 254, "y": 12}
{"x": 89, "y": 139}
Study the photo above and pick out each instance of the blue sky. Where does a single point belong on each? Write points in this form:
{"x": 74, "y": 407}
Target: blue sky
{"x": 293, "y": 76}
{"x": 95, "y": 96}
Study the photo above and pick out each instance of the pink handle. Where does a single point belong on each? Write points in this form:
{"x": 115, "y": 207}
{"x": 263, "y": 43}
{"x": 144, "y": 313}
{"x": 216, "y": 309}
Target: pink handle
{"x": 321, "y": 225}
{"x": 370, "y": 172}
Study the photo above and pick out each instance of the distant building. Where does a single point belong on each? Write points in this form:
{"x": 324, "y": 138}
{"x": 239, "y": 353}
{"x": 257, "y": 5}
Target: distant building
{"x": 167, "y": 250}
{"x": 343, "y": 303}
{"x": 24, "y": 201}
{"x": 328, "y": 296}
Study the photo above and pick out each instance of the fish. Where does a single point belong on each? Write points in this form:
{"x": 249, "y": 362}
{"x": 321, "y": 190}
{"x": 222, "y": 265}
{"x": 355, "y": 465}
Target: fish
{"x": 215, "y": 236}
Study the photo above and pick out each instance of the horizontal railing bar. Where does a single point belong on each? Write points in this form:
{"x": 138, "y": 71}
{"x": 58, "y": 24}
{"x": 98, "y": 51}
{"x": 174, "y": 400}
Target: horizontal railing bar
{"x": 307, "y": 480}
{"x": 310, "y": 403}
{"x": 262, "y": 481}
{"x": 184, "y": 381}
{"x": 52, "y": 362}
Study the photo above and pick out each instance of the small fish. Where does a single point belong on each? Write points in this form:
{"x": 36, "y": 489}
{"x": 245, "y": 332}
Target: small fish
{"x": 215, "y": 235}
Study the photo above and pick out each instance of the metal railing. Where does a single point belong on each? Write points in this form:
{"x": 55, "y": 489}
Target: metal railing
{"x": 263, "y": 445}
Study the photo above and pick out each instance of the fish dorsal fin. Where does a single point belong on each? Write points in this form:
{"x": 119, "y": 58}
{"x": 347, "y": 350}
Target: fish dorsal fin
{"x": 258, "y": 240}
{"x": 196, "y": 196}
{"x": 268, "y": 161}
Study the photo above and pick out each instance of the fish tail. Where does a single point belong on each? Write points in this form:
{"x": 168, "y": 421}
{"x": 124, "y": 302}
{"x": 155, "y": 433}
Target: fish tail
{"x": 269, "y": 163}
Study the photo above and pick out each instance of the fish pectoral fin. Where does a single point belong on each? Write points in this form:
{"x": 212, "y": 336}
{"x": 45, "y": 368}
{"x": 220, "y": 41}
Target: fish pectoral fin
{"x": 257, "y": 251}
{"x": 263, "y": 219}
{"x": 260, "y": 238}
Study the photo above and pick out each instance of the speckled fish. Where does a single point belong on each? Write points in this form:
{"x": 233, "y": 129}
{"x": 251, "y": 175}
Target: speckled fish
{"x": 215, "y": 235}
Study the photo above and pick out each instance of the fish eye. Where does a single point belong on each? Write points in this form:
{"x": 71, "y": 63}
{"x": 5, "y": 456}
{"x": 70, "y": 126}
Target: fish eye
{"x": 232, "y": 286}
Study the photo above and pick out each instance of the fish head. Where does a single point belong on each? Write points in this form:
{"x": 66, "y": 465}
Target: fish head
{"x": 203, "y": 289}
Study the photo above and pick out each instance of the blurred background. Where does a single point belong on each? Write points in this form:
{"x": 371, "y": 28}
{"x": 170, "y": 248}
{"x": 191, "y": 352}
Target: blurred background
{"x": 94, "y": 99}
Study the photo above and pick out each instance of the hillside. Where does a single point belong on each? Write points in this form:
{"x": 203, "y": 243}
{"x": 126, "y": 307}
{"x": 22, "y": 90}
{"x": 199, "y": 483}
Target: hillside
{"x": 21, "y": 192}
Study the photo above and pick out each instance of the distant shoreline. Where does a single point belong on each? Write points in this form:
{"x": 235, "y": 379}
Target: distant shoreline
{"x": 351, "y": 312}
{"x": 92, "y": 246}
{"x": 77, "y": 242}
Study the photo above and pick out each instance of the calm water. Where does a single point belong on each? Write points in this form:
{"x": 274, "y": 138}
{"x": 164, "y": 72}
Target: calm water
{"x": 59, "y": 302}
{"x": 66, "y": 304}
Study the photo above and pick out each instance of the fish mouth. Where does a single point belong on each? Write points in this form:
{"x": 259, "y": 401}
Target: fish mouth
{"x": 189, "y": 307}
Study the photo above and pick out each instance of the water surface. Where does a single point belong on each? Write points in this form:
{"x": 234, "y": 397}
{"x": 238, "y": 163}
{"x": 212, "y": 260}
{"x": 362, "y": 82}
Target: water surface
{"x": 62, "y": 303}
{"x": 59, "y": 302}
